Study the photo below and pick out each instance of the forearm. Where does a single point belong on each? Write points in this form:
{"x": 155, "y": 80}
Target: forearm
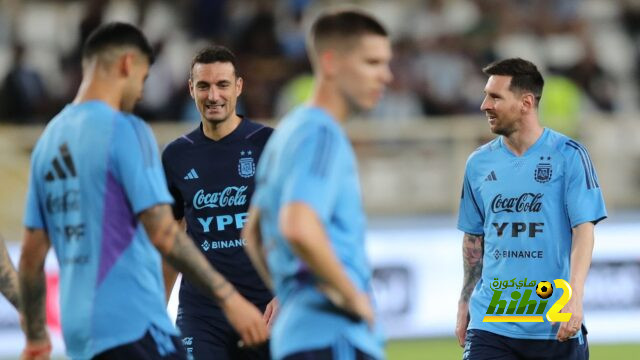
{"x": 251, "y": 234}
{"x": 472, "y": 252}
{"x": 322, "y": 261}
{"x": 32, "y": 302}
{"x": 8, "y": 276}
{"x": 180, "y": 252}
{"x": 581, "y": 253}
{"x": 187, "y": 259}
{"x": 169, "y": 274}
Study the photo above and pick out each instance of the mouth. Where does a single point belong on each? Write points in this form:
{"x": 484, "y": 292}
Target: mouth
{"x": 213, "y": 107}
{"x": 491, "y": 118}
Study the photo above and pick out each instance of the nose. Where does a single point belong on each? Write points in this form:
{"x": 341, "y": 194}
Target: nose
{"x": 387, "y": 75}
{"x": 486, "y": 104}
{"x": 213, "y": 94}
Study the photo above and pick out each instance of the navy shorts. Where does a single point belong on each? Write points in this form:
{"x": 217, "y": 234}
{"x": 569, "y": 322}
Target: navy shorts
{"x": 154, "y": 345}
{"x": 212, "y": 337}
{"x": 342, "y": 350}
{"x": 481, "y": 345}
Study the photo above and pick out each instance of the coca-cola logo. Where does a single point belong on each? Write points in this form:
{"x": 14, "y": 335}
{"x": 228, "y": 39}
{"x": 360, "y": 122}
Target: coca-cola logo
{"x": 231, "y": 196}
{"x": 527, "y": 202}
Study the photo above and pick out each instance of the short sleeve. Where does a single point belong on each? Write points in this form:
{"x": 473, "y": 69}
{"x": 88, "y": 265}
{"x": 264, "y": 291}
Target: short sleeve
{"x": 34, "y": 215}
{"x": 315, "y": 170}
{"x": 583, "y": 201}
{"x": 470, "y": 214}
{"x": 136, "y": 165}
{"x": 178, "y": 204}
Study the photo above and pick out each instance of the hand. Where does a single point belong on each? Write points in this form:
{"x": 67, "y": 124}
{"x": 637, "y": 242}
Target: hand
{"x": 359, "y": 305}
{"x": 270, "y": 312}
{"x": 571, "y": 327}
{"x": 462, "y": 322}
{"x": 246, "y": 319}
{"x": 37, "y": 350}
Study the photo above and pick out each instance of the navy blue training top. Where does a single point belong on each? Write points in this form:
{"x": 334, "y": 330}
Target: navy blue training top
{"x": 212, "y": 183}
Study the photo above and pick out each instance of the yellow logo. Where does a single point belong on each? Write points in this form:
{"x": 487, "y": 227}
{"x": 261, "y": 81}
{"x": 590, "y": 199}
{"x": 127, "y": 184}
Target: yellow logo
{"x": 522, "y": 308}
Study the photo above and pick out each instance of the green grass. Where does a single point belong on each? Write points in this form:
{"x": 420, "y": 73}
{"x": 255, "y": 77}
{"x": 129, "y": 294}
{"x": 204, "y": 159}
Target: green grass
{"x": 448, "y": 349}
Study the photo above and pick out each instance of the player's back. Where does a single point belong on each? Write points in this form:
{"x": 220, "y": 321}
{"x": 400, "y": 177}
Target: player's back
{"x": 93, "y": 170}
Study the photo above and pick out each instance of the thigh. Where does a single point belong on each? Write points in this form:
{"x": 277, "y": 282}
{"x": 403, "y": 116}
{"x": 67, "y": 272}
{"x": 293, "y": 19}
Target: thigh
{"x": 154, "y": 345}
{"x": 206, "y": 338}
{"x": 252, "y": 353}
{"x": 484, "y": 345}
{"x": 573, "y": 349}
{"x": 341, "y": 351}
{"x": 315, "y": 354}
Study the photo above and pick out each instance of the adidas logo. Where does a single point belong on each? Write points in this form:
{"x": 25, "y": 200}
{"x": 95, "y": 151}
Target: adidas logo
{"x": 191, "y": 175}
{"x": 491, "y": 177}
{"x": 59, "y": 171}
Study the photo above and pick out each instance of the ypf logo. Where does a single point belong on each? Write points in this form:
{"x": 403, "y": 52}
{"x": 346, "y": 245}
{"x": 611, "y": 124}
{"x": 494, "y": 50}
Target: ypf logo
{"x": 521, "y": 307}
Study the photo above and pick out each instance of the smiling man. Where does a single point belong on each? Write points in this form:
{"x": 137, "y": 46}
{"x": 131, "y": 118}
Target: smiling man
{"x": 530, "y": 201}
{"x": 210, "y": 174}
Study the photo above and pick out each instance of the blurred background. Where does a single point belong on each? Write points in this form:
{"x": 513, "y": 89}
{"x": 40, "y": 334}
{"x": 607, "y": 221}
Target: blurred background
{"x": 411, "y": 149}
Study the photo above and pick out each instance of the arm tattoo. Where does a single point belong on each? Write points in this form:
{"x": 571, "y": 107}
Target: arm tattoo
{"x": 8, "y": 276}
{"x": 186, "y": 258}
{"x": 33, "y": 287}
{"x": 183, "y": 255}
{"x": 472, "y": 252}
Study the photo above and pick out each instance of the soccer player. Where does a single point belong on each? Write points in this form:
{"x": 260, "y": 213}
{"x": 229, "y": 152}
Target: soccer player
{"x": 530, "y": 201}
{"x": 210, "y": 173}
{"x": 8, "y": 276}
{"x": 307, "y": 213}
{"x": 98, "y": 194}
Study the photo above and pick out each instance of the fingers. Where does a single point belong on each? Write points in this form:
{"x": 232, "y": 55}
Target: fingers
{"x": 267, "y": 313}
{"x": 567, "y": 330}
{"x": 255, "y": 334}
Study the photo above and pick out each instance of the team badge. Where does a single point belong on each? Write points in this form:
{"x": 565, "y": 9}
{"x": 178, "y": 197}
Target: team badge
{"x": 543, "y": 171}
{"x": 246, "y": 165}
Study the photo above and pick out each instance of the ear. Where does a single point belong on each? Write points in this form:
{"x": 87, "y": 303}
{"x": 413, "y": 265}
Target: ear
{"x": 328, "y": 63}
{"x": 125, "y": 64}
{"x": 528, "y": 102}
{"x": 193, "y": 96}
{"x": 239, "y": 83}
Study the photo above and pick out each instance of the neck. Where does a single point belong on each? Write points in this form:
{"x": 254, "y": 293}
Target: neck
{"x": 96, "y": 85}
{"x": 218, "y": 130}
{"x": 522, "y": 139}
{"x": 328, "y": 98}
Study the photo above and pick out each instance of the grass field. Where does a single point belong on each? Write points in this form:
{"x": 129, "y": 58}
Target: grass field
{"x": 448, "y": 349}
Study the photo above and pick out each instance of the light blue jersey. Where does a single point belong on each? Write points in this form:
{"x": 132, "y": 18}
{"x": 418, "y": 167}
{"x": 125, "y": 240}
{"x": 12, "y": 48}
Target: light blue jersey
{"x": 92, "y": 171}
{"x": 309, "y": 159}
{"x": 526, "y": 208}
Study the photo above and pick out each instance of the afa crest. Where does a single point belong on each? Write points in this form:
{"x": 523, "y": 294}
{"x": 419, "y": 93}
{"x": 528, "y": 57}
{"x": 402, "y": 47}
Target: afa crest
{"x": 246, "y": 165}
{"x": 543, "y": 171}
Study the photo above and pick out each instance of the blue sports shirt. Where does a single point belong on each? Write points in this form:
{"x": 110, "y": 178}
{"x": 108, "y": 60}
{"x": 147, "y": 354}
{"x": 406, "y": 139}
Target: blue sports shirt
{"x": 309, "y": 159}
{"x": 93, "y": 170}
{"x": 525, "y": 207}
{"x": 212, "y": 183}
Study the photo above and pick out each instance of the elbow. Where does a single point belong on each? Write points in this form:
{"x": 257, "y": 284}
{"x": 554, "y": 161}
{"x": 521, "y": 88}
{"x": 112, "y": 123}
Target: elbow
{"x": 294, "y": 225}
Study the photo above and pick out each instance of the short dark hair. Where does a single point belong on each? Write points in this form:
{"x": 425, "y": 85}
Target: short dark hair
{"x": 116, "y": 34}
{"x": 524, "y": 75}
{"x": 343, "y": 23}
{"x": 212, "y": 54}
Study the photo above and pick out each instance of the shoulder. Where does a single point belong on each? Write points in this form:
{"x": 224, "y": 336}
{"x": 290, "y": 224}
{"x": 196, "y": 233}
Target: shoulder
{"x": 483, "y": 152}
{"x": 569, "y": 148}
{"x": 129, "y": 123}
{"x": 181, "y": 143}
{"x": 257, "y": 133}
